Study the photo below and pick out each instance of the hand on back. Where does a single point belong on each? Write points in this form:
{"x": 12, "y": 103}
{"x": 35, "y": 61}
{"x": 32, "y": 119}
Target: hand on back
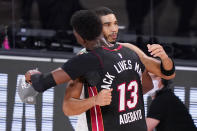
{"x": 104, "y": 97}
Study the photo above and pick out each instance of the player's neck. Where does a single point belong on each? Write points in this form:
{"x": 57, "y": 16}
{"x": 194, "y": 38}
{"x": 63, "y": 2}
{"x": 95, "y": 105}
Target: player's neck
{"x": 98, "y": 43}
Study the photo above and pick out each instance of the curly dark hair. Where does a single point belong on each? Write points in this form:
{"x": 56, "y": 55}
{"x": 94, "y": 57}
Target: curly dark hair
{"x": 87, "y": 24}
{"x": 101, "y": 11}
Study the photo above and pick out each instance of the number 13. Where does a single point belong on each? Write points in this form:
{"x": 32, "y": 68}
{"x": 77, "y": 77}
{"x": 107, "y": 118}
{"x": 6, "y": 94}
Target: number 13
{"x": 133, "y": 88}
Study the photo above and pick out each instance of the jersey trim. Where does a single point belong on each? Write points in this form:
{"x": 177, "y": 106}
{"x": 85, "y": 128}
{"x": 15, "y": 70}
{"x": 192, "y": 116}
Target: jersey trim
{"x": 95, "y": 113}
{"x": 118, "y": 48}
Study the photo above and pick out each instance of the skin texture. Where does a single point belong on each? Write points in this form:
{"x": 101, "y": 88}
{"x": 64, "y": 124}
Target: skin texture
{"x": 151, "y": 123}
{"x": 110, "y": 27}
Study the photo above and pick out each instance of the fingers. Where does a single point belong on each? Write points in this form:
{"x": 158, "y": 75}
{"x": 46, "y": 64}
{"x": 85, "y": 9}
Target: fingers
{"x": 29, "y": 73}
{"x": 154, "y": 47}
{"x": 28, "y": 77}
{"x": 148, "y": 45}
{"x": 107, "y": 95}
{"x": 157, "y": 50}
{"x": 104, "y": 97}
{"x": 107, "y": 100}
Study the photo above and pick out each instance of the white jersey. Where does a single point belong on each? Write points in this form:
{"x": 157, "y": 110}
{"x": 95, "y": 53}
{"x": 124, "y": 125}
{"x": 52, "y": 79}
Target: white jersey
{"x": 80, "y": 123}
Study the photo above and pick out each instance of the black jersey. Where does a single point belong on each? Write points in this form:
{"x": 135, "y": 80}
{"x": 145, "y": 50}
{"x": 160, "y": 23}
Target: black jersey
{"x": 120, "y": 69}
{"x": 171, "y": 112}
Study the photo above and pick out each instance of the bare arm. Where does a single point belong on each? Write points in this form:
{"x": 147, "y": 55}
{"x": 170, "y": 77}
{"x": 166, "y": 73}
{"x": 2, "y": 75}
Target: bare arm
{"x": 60, "y": 76}
{"x": 73, "y": 105}
{"x": 151, "y": 123}
{"x": 147, "y": 83}
{"x": 153, "y": 65}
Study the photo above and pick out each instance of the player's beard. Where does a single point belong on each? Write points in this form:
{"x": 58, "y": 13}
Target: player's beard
{"x": 110, "y": 36}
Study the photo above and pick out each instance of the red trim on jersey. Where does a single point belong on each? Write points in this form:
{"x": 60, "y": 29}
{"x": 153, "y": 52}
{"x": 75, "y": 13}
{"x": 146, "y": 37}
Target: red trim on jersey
{"x": 95, "y": 113}
{"x": 98, "y": 58}
{"x": 118, "y": 48}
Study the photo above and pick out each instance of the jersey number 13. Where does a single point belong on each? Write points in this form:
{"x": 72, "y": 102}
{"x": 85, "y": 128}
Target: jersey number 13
{"x": 132, "y": 87}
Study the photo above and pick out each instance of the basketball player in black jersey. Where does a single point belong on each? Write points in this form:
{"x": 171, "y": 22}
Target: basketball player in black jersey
{"x": 75, "y": 106}
{"x": 110, "y": 31}
{"x": 97, "y": 60}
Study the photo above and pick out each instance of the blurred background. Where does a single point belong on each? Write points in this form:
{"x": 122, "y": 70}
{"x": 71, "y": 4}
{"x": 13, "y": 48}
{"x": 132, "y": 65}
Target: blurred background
{"x": 37, "y": 33}
{"x": 44, "y": 24}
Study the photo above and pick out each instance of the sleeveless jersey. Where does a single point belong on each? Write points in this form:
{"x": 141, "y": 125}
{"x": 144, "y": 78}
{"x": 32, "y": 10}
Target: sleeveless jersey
{"x": 121, "y": 70}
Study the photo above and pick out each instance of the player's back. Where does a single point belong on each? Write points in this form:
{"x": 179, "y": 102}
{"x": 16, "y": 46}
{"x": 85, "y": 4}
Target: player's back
{"x": 121, "y": 70}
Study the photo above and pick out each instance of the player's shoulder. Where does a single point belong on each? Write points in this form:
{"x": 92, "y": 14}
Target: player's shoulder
{"x": 83, "y": 56}
{"x": 136, "y": 49}
{"x": 129, "y": 45}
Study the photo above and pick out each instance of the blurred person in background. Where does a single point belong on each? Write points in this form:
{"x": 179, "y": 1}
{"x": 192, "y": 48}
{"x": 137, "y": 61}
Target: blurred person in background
{"x": 167, "y": 112}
